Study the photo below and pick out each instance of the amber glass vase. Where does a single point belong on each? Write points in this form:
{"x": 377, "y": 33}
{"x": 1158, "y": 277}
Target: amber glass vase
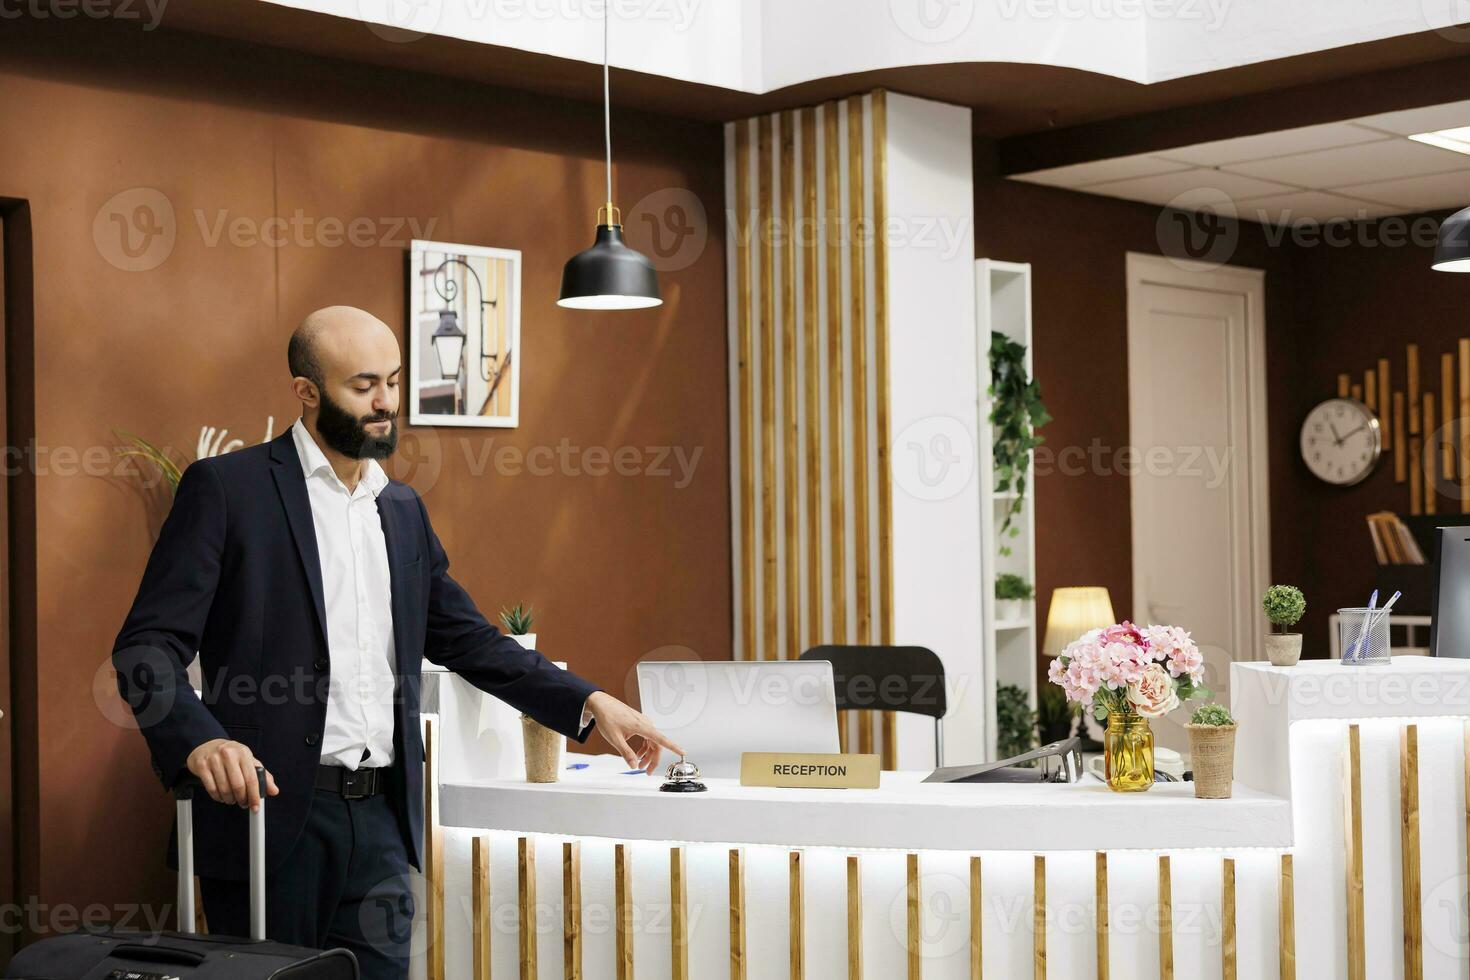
{"x": 1128, "y": 750}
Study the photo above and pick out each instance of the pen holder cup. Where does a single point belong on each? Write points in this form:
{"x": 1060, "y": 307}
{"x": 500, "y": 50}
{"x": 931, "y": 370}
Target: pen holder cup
{"x": 1363, "y": 636}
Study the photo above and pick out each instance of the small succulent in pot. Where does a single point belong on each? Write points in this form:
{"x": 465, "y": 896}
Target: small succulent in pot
{"x": 1284, "y": 606}
{"x": 1212, "y": 751}
{"x": 1213, "y": 715}
{"x": 517, "y": 619}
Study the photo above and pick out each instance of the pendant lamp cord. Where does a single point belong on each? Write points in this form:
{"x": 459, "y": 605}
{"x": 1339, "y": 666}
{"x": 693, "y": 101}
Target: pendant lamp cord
{"x": 606, "y": 105}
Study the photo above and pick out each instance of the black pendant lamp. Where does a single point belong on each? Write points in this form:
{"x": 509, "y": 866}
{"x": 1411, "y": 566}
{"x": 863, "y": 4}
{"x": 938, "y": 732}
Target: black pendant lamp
{"x": 1452, "y": 251}
{"x": 609, "y": 275}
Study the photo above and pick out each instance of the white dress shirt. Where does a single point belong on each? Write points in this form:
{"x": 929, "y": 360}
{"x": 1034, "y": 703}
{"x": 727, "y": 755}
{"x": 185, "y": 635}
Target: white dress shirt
{"x": 358, "y": 592}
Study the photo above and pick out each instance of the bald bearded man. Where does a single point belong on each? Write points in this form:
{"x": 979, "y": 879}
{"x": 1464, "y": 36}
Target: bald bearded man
{"x": 312, "y": 586}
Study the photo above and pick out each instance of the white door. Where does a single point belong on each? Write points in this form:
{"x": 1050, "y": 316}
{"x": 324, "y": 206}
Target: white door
{"x": 1196, "y": 379}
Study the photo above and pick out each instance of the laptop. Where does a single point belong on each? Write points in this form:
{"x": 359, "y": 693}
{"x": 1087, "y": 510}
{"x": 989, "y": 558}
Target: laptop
{"x": 717, "y": 710}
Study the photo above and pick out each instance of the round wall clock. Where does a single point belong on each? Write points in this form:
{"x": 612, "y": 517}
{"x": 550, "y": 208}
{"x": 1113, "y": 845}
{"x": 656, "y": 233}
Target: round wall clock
{"x": 1341, "y": 442}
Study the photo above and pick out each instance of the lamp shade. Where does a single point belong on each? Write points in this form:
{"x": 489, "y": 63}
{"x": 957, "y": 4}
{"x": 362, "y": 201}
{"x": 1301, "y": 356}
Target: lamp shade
{"x": 609, "y": 276}
{"x": 1074, "y": 611}
{"x": 1452, "y": 251}
{"x": 448, "y": 341}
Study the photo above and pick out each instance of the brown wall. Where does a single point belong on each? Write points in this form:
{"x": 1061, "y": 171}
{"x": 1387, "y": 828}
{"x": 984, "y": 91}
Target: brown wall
{"x": 1077, "y": 246}
{"x": 616, "y": 566}
{"x": 1357, "y": 302}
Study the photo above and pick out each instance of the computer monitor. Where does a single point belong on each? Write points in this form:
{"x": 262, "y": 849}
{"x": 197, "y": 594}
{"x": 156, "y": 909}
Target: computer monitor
{"x": 717, "y": 710}
{"x": 1449, "y": 625}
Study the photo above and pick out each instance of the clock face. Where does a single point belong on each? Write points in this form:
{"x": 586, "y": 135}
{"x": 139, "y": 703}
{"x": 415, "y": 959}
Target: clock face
{"x": 1340, "y": 441}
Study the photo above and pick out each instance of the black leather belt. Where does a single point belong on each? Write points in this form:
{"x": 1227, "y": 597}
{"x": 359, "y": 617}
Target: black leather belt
{"x": 352, "y": 784}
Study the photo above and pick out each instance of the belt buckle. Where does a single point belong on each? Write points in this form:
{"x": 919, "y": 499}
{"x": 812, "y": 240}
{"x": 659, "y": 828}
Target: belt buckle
{"x": 351, "y": 783}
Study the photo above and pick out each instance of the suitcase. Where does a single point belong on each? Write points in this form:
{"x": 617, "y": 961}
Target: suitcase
{"x": 116, "y": 954}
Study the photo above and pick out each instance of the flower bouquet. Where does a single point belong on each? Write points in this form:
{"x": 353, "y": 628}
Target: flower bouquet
{"x": 1128, "y": 674}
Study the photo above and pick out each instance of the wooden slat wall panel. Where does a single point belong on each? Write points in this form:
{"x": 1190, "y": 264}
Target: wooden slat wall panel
{"x": 1227, "y": 919}
{"x": 1462, "y": 442}
{"x": 571, "y": 909}
{"x": 855, "y": 916}
{"x": 526, "y": 900}
{"x": 766, "y": 223}
{"x": 1286, "y": 920}
{"x": 679, "y": 913}
{"x": 737, "y": 914}
{"x": 433, "y": 856}
{"x": 623, "y": 911}
{"x": 1100, "y": 914}
{"x": 480, "y": 907}
{"x": 790, "y": 432}
{"x": 745, "y": 388}
{"x": 883, "y": 475}
{"x": 1166, "y": 920}
{"x": 809, "y": 342}
{"x": 1409, "y": 852}
{"x": 915, "y": 902}
{"x": 1038, "y": 918}
{"x": 796, "y": 914}
{"x": 811, "y": 328}
{"x": 977, "y": 925}
{"x": 1353, "y": 826}
{"x": 1385, "y": 404}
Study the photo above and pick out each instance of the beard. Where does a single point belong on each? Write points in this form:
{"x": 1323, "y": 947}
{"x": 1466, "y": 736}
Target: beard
{"x": 348, "y": 434}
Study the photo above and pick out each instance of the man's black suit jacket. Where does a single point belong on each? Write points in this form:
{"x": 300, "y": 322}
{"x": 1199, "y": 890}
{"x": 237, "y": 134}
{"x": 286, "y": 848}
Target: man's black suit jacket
{"x": 235, "y": 575}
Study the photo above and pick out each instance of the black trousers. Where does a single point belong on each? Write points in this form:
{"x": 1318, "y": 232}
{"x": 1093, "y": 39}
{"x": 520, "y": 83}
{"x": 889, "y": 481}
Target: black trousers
{"x": 344, "y": 884}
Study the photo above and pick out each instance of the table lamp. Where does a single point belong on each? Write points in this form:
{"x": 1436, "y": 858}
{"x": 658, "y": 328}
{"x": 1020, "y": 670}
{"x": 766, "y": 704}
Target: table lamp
{"x": 1075, "y": 610}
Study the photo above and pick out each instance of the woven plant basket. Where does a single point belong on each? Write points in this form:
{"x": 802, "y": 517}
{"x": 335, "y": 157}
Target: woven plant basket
{"x": 543, "y": 751}
{"x": 1212, "y": 752}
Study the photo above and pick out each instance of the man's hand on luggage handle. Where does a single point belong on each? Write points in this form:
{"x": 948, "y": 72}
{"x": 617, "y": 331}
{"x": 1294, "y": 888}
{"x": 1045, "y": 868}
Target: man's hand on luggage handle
{"x": 618, "y": 722}
{"x": 227, "y": 770}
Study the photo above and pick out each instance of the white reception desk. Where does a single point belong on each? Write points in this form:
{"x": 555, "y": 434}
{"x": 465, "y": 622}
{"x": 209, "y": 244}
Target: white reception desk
{"x": 926, "y": 877}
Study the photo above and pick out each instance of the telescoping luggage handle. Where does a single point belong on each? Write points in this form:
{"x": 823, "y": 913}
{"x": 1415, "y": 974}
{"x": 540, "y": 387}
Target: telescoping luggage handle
{"x": 184, "y": 794}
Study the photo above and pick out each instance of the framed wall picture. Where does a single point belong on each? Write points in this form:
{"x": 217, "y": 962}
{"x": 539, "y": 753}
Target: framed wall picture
{"x": 464, "y": 341}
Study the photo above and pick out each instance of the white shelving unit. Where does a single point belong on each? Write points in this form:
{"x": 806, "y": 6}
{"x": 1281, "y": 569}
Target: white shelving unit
{"x": 1003, "y": 303}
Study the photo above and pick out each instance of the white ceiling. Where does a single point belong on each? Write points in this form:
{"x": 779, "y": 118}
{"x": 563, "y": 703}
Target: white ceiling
{"x": 1360, "y": 168}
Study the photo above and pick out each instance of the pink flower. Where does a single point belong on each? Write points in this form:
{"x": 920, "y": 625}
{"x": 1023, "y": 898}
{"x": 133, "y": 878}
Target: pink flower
{"x": 1124, "y": 632}
{"x": 1173, "y": 646}
{"x": 1153, "y": 694}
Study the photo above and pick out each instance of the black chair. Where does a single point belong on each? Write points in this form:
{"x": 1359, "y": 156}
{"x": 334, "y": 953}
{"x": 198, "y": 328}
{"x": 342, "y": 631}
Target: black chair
{"x": 880, "y": 678}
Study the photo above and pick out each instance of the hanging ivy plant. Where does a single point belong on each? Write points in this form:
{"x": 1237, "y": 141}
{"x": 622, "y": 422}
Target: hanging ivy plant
{"x": 1016, "y": 412}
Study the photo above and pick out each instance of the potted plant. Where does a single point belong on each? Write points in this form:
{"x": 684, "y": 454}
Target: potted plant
{"x": 1212, "y": 751}
{"x": 1128, "y": 674}
{"x": 517, "y": 621}
{"x": 1015, "y": 722}
{"x": 542, "y": 745}
{"x": 1011, "y": 595}
{"x": 1284, "y": 605}
{"x": 1016, "y": 412}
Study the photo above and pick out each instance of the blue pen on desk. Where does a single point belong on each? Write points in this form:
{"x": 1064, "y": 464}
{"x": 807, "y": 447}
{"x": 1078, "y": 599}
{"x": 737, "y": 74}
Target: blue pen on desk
{"x": 578, "y": 765}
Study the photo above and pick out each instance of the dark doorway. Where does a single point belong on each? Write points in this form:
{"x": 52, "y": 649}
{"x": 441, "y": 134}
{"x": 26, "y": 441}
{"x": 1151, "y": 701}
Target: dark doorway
{"x": 19, "y": 781}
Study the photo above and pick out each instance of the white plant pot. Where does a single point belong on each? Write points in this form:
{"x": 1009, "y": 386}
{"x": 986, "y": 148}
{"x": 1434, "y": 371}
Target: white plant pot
{"x": 527, "y": 640}
{"x": 1283, "y": 649}
{"x": 1009, "y": 610}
